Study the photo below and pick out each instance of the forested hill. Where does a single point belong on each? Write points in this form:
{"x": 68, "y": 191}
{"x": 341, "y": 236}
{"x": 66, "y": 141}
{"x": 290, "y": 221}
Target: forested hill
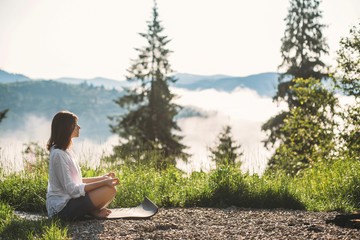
{"x": 6, "y": 77}
{"x": 265, "y": 84}
{"x": 45, "y": 98}
{"x": 92, "y": 99}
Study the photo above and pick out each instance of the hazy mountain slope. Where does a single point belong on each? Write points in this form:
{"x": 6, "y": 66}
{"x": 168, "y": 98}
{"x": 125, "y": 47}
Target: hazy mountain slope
{"x": 45, "y": 98}
{"x": 185, "y": 78}
{"x": 264, "y": 84}
{"x": 98, "y": 82}
{"x": 6, "y": 77}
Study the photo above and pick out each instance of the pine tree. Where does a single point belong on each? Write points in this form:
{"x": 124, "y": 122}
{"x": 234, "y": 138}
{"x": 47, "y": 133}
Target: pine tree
{"x": 303, "y": 44}
{"x": 149, "y": 124}
{"x": 226, "y": 152}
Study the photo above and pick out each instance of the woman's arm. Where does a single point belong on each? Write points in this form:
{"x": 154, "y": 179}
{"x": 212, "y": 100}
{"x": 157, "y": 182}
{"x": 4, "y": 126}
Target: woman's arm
{"x": 93, "y": 179}
{"x": 112, "y": 182}
{"x": 97, "y": 179}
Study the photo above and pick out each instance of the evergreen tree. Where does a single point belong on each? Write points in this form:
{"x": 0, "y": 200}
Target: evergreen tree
{"x": 149, "y": 124}
{"x": 303, "y": 45}
{"x": 226, "y": 152}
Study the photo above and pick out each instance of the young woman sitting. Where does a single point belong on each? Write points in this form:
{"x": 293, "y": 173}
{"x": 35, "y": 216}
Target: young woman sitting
{"x": 69, "y": 195}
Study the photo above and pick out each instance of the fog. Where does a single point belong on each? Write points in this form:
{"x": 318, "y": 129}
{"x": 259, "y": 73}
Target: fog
{"x": 242, "y": 109}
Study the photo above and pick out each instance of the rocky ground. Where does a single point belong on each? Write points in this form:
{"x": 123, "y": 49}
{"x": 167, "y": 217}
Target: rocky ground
{"x": 212, "y": 223}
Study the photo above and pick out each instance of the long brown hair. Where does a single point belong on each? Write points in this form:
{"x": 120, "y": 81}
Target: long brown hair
{"x": 62, "y": 126}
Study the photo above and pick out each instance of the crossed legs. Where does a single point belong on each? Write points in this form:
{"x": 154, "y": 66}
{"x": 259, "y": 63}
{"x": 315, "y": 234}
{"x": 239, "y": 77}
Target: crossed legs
{"x": 101, "y": 198}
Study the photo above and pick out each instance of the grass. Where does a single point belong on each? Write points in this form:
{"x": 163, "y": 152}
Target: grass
{"x": 324, "y": 187}
{"x": 320, "y": 188}
{"x": 333, "y": 187}
{"x": 14, "y": 227}
{"x": 25, "y": 191}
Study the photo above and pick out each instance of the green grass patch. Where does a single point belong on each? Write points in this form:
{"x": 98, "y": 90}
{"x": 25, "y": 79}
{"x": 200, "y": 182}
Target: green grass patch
{"x": 323, "y": 187}
{"x": 25, "y": 191}
{"x": 332, "y": 187}
{"x": 14, "y": 227}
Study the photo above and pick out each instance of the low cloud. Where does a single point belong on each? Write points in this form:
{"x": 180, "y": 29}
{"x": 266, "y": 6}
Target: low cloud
{"x": 35, "y": 129}
{"x": 242, "y": 109}
{"x": 242, "y": 103}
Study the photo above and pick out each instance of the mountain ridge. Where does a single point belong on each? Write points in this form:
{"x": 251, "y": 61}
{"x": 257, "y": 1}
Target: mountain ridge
{"x": 264, "y": 84}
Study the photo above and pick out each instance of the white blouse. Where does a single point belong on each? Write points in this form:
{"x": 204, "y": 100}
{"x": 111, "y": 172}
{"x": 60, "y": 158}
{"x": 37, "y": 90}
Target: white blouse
{"x": 65, "y": 181}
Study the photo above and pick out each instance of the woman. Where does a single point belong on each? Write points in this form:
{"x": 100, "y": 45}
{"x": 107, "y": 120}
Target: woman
{"x": 69, "y": 195}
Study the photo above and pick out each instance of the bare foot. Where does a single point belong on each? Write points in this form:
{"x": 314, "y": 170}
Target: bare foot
{"x": 101, "y": 213}
{"x": 108, "y": 211}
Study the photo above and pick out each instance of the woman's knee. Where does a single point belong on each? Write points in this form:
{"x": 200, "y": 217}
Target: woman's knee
{"x": 112, "y": 190}
{"x": 102, "y": 194}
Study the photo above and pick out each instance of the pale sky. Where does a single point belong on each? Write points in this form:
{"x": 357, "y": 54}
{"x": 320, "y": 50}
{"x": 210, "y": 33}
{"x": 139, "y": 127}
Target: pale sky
{"x": 93, "y": 38}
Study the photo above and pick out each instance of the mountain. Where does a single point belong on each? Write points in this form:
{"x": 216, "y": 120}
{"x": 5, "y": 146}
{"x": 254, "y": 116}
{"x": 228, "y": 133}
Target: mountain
{"x": 42, "y": 99}
{"x": 98, "y": 82}
{"x": 92, "y": 99}
{"x": 29, "y": 100}
{"x": 185, "y": 78}
{"x": 265, "y": 84}
{"x": 6, "y": 77}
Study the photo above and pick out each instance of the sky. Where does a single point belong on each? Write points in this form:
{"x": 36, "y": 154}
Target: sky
{"x": 91, "y": 38}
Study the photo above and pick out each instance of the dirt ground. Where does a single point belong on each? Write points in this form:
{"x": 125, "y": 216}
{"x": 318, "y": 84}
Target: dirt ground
{"x": 214, "y": 223}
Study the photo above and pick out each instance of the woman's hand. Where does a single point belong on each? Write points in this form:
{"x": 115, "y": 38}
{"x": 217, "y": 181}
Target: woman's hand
{"x": 109, "y": 175}
{"x": 112, "y": 182}
{"x": 107, "y": 181}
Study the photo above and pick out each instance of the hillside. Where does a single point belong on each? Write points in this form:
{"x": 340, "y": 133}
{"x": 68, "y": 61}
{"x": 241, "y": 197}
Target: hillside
{"x": 92, "y": 99}
{"x": 45, "y": 98}
{"x": 91, "y": 104}
{"x": 265, "y": 84}
{"x": 6, "y": 77}
{"x": 98, "y": 82}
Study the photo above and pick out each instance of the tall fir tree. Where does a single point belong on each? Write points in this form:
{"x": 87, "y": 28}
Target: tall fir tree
{"x": 149, "y": 124}
{"x": 303, "y": 44}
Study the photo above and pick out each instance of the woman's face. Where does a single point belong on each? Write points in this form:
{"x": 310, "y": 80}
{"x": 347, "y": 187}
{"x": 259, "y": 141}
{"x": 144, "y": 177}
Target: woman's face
{"x": 76, "y": 131}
